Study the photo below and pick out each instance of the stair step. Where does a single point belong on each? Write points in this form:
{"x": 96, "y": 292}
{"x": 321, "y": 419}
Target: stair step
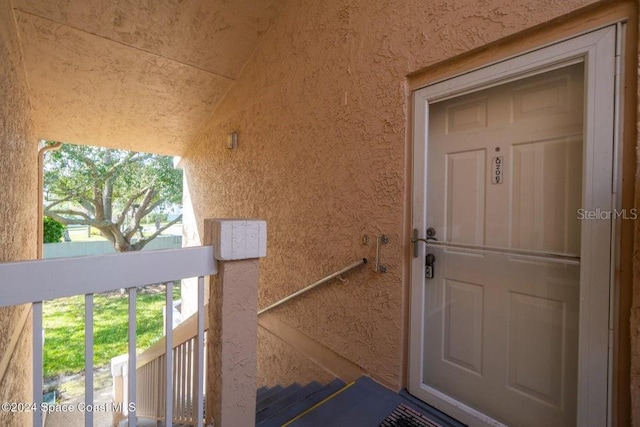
{"x": 261, "y": 391}
{"x": 272, "y": 398}
{"x": 289, "y": 413}
{"x": 268, "y": 392}
{"x": 287, "y": 401}
{"x": 363, "y": 404}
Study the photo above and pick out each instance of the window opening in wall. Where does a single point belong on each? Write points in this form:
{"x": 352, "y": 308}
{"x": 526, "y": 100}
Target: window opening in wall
{"x": 98, "y": 201}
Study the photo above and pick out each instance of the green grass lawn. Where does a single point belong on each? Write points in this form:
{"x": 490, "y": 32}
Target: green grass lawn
{"x": 80, "y": 235}
{"x": 64, "y": 328}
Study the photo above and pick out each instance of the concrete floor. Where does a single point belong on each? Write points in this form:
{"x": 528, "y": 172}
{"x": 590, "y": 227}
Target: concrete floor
{"x": 76, "y": 418}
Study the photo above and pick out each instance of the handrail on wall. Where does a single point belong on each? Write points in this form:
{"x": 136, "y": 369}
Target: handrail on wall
{"x": 330, "y": 277}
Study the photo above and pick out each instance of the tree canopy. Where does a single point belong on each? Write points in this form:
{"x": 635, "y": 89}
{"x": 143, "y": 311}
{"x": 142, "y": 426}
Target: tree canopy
{"x": 111, "y": 190}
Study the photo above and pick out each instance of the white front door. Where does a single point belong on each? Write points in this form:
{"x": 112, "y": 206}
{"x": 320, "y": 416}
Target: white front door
{"x": 505, "y": 322}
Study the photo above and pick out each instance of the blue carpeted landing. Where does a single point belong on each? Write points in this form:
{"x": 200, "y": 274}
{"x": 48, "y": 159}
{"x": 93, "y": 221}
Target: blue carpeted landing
{"x": 363, "y": 403}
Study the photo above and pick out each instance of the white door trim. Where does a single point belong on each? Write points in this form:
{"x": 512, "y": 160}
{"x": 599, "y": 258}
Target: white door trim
{"x": 597, "y": 50}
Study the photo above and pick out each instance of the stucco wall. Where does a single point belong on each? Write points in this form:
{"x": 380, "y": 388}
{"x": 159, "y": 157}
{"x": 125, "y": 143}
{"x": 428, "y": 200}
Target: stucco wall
{"x": 279, "y": 363}
{"x": 321, "y": 116}
{"x": 635, "y": 309}
{"x": 18, "y": 202}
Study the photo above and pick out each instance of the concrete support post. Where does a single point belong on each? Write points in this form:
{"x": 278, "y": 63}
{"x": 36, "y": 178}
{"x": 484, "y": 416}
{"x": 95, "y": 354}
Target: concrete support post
{"x": 233, "y": 321}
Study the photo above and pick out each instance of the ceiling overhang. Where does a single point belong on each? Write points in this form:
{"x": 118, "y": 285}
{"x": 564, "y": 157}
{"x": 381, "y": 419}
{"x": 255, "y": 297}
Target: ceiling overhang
{"x": 134, "y": 74}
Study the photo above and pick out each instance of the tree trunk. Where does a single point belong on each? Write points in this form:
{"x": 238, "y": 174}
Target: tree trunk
{"x": 107, "y": 197}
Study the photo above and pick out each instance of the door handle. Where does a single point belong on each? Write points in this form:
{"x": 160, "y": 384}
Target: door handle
{"x": 431, "y": 233}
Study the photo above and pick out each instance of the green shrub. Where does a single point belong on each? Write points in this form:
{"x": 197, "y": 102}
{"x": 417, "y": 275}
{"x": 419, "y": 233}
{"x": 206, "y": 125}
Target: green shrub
{"x": 53, "y": 230}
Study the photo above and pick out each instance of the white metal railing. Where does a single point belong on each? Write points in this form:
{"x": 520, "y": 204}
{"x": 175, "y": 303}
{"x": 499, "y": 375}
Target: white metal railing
{"x": 151, "y": 375}
{"x": 37, "y": 281}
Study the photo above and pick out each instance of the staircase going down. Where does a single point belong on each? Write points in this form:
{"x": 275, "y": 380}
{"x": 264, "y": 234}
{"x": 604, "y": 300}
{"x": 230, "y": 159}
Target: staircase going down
{"x": 362, "y": 403}
{"x": 277, "y": 405}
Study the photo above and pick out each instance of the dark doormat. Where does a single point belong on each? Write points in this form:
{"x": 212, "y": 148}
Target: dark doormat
{"x": 404, "y": 416}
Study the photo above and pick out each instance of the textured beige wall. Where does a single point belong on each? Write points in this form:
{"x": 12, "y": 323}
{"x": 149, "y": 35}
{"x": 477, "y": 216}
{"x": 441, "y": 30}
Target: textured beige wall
{"x": 635, "y": 316}
{"x": 321, "y": 115}
{"x": 635, "y": 309}
{"x": 18, "y": 151}
{"x": 279, "y": 363}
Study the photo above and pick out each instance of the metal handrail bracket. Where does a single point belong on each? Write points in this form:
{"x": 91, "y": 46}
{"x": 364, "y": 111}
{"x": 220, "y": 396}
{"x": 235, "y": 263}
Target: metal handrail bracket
{"x": 330, "y": 277}
{"x": 380, "y": 240}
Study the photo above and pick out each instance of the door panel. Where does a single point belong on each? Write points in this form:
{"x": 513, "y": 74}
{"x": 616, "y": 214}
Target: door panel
{"x": 535, "y": 323}
{"x": 462, "y": 325}
{"x": 546, "y": 195}
{"x": 465, "y": 193}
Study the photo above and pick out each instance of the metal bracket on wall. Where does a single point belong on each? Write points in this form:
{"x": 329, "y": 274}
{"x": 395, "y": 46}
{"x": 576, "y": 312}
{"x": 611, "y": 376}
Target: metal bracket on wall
{"x": 380, "y": 240}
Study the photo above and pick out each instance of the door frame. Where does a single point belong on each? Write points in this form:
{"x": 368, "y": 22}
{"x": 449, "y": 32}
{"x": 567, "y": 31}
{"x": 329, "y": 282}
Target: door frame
{"x": 599, "y": 156}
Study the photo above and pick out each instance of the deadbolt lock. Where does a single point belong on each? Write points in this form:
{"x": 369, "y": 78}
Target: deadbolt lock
{"x": 429, "y": 262}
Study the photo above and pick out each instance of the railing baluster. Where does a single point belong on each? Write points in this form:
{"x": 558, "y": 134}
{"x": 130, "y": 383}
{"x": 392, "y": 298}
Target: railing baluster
{"x": 180, "y": 382}
{"x": 88, "y": 358}
{"x": 185, "y": 375}
{"x": 153, "y": 392}
{"x": 150, "y": 387}
{"x": 142, "y": 383}
{"x": 168, "y": 414}
{"x": 176, "y": 381}
{"x": 162, "y": 397}
{"x": 188, "y": 395}
{"x": 37, "y": 363}
{"x": 141, "y": 408}
{"x": 193, "y": 394}
{"x": 200, "y": 354}
{"x": 132, "y": 356}
{"x": 160, "y": 386}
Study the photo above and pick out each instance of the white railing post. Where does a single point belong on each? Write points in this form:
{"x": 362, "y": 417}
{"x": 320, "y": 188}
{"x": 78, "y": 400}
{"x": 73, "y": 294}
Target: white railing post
{"x": 131, "y": 368}
{"x": 233, "y": 320}
{"x": 198, "y": 354}
{"x": 88, "y": 357}
{"x": 37, "y": 364}
{"x": 168, "y": 368}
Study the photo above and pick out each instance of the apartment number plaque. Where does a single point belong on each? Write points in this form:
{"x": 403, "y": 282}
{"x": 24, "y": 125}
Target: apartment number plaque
{"x": 497, "y": 170}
